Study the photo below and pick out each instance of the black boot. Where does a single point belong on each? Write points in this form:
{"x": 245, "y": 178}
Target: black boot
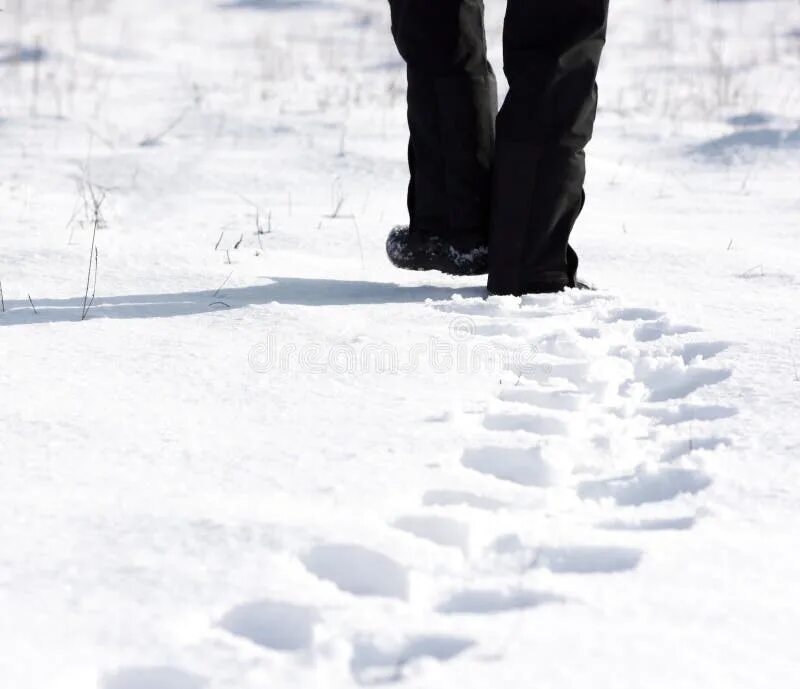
{"x": 452, "y": 104}
{"x": 468, "y": 254}
{"x": 552, "y": 54}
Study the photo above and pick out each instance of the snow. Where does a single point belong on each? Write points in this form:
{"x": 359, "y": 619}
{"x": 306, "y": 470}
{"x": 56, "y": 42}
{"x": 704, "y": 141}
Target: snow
{"x": 266, "y": 458}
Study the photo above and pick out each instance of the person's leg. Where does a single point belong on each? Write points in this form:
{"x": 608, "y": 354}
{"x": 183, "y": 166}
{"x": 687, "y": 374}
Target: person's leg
{"x": 552, "y": 54}
{"x": 452, "y": 103}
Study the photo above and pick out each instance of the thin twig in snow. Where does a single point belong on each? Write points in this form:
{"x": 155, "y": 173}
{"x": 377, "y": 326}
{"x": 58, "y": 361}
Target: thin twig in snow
{"x": 32, "y": 305}
{"x": 225, "y": 282}
{"x": 97, "y": 203}
{"x": 155, "y": 140}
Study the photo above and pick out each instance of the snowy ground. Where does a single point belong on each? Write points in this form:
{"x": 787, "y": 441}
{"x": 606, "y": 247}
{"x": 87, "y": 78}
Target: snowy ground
{"x": 268, "y": 459}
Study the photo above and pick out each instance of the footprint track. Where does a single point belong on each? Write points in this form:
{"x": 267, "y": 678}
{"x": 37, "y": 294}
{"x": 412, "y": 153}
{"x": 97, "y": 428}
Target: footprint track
{"x": 602, "y": 373}
{"x": 358, "y": 570}
{"x": 273, "y": 624}
{"x": 443, "y": 531}
{"x": 373, "y": 664}
{"x": 156, "y": 677}
{"x": 525, "y": 466}
{"x": 647, "y": 487}
{"x": 538, "y": 424}
{"x": 494, "y": 602}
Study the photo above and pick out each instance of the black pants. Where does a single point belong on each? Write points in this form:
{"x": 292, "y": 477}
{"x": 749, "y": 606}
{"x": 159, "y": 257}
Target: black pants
{"x": 517, "y": 175}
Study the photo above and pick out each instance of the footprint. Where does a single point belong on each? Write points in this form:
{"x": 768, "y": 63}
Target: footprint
{"x": 701, "y": 350}
{"x": 686, "y": 447}
{"x": 273, "y": 624}
{"x": 524, "y": 466}
{"x": 634, "y": 315}
{"x": 587, "y": 559}
{"x": 488, "y": 602}
{"x": 161, "y": 677}
{"x": 669, "y": 384}
{"x": 358, "y": 570}
{"x": 493, "y": 329}
{"x": 562, "y": 400}
{"x": 576, "y": 370}
{"x": 690, "y": 412}
{"x": 675, "y": 524}
{"x": 450, "y": 498}
{"x": 374, "y": 665}
{"x": 650, "y": 332}
{"x": 440, "y": 530}
{"x": 530, "y": 423}
{"x": 646, "y": 487}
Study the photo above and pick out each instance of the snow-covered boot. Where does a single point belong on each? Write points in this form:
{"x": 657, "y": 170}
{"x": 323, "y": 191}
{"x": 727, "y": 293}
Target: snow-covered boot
{"x": 465, "y": 255}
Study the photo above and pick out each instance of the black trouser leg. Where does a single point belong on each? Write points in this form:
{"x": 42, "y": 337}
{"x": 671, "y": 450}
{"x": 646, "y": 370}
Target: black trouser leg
{"x": 552, "y": 53}
{"x": 452, "y": 104}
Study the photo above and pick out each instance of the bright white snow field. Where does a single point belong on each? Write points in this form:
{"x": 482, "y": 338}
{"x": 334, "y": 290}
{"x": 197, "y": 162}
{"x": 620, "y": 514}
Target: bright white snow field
{"x": 266, "y": 458}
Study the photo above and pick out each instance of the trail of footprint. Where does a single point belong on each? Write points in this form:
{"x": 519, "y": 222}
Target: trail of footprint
{"x": 449, "y": 498}
{"x": 443, "y": 531}
{"x": 530, "y": 423}
{"x": 526, "y": 466}
{"x": 691, "y": 351}
{"x": 674, "y": 524}
{"x": 273, "y": 624}
{"x": 161, "y": 677}
{"x": 634, "y": 314}
{"x": 646, "y": 487}
{"x": 669, "y": 383}
{"x": 358, "y": 570}
{"x": 491, "y": 602}
{"x": 372, "y": 664}
{"x": 555, "y": 399}
{"x": 687, "y": 413}
{"x": 686, "y": 447}
{"x": 652, "y": 331}
{"x": 587, "y": 559}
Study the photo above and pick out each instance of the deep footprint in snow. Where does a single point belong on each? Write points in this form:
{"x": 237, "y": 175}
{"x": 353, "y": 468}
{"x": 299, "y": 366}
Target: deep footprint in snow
{"x": 374, "y": 665}
{"x": 500, "y": 329}
{"x": 701, "y": 350}
{"x": 646, "y": 487}
{"x": 587, "y": 559}
{"x": 560, "y": 400}
{"x": 670, "y": 384}
{"x": 161, "y": 677}
{"x": 452, "y": 498}
{"x": 652, "y": 331}
{"x": 667, "y": 524}
{"x": 273, "y": 624}
{"x": 530, "y": 423}
{"x": 687, "y": 413}
{"x": 686, "y": 447}
{"x": 525, "y": 466}
{"x": 634, "y": 314}
{"x": 358, "y": 570}
{"x": 489, "y": 602}
{"x": 442, "y": 531}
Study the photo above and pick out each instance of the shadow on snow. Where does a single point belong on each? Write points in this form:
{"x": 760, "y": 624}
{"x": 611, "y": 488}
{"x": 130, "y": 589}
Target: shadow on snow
{"x": 288, "y": 291}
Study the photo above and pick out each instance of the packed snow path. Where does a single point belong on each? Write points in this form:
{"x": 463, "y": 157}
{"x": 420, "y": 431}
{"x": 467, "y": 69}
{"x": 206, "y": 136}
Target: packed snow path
{"x": 268, "y": 459}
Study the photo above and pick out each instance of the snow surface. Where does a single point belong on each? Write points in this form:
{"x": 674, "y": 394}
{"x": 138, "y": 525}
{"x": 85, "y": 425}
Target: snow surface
{"x": 268, "y": 459}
